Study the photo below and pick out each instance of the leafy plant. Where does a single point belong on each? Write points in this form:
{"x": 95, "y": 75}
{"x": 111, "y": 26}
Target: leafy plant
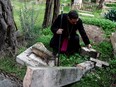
{"x": 28, "y": 17}
{"x": 111, "y": 15}
{"x": 111, "y": 5}
{"x": 9, "y": 65}
{"x": 105, "y": 48}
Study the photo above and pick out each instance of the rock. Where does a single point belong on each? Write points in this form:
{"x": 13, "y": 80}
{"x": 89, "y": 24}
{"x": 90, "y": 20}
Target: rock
{"x": 94, "y": 33}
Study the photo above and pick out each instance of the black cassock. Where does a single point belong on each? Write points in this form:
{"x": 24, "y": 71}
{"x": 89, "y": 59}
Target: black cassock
{"x": 69, "y": 32}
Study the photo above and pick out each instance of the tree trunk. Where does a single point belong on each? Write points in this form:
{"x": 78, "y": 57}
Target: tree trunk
{"x": 101, "y": 4}
{"x": 56, "y": 9}
{"x": 97, "y": 1}
{"x": 72, "y": 2}
{"x": 48, "y": 11}
{"x": 7, "y": 28}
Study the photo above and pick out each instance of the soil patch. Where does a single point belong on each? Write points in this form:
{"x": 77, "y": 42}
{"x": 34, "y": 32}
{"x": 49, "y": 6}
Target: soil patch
{"x": 94, "y": 33}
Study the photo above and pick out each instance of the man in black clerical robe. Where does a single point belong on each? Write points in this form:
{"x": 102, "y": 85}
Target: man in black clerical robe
{"x": 64, "y": 31}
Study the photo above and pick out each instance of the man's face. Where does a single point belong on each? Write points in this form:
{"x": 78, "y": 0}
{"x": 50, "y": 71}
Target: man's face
{"x": 73, "y": 21}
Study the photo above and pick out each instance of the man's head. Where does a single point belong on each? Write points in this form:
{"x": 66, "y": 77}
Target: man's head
{"x": 73, "y": 17}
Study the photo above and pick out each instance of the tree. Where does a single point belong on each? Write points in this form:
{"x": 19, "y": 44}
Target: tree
{"x": 72, "y": 2}
{"x": 48, "y": 18}
{"x": 101, "y": 3}
{"x": 56, "y": 9}
{"x": 48, "y": 12}
{"x": 8, "y": 28}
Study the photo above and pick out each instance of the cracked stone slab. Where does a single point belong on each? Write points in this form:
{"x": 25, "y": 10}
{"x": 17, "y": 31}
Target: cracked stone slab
{"x": 30, "y": 59}
{"x": 55, "y": 76}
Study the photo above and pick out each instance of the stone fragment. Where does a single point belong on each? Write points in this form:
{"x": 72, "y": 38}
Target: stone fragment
{"x": 89, "y": 52}
{"x": 31, "y": 59}
{"x": 99, "y": 63}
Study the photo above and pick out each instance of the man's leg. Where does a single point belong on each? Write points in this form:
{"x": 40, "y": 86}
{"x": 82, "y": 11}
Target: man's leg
{"x": 74, "y": 45}
{"x": 55, "y": 51}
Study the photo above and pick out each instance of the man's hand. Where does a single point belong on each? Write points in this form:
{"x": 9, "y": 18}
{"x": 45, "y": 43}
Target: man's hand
{"x": 89, "y": 46}
{"x": 59, "y": 31}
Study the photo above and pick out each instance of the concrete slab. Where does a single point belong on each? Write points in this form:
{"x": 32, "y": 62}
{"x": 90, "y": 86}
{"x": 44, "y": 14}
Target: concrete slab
{"x": 55, "y": 76}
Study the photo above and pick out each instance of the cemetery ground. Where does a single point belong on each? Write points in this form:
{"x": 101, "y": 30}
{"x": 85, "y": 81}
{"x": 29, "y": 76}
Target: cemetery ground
{"x": 98, "y": 30}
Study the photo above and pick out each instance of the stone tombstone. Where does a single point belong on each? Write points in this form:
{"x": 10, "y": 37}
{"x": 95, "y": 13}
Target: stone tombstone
{"x": 113, "y": 41}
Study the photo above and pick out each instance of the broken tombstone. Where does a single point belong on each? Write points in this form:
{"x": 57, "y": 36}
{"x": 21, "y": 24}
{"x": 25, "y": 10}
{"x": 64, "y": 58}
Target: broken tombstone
{"x": 55, "y": 76}
{"x": 99, "y": 63}
{"x": 89, "y": 52}
{"x": 36, "y": 55}
{"x": 113, "y": 41}
{"x": 40, "y": 70}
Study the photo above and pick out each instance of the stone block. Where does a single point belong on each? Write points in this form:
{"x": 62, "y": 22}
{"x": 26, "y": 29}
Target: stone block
{"x": 85, "y": 66}
{"x": 99, "y": 63}
{"x": 55, "y": 76}
{"x": 89, "y": 52}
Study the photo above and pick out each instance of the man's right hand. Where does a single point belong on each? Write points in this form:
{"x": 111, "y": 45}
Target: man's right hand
{"x": 59, "y": 31}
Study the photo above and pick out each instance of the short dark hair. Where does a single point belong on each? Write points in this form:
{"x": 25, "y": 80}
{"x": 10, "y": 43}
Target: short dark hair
{"x": 73, "y": 14}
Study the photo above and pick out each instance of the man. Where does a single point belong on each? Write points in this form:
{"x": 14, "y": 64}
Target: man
{"x": 65, "y": 39}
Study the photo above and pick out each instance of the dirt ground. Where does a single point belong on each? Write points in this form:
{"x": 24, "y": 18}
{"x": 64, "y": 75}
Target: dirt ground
{"x": 94, "y": 33}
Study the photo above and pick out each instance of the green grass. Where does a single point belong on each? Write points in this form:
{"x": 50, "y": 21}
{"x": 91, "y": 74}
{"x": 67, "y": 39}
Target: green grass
{"x": 111, "y": 5}
{"x": 20, "y": 6}
{"x": 107, "y": 25}
{"x": 10, "y": 66}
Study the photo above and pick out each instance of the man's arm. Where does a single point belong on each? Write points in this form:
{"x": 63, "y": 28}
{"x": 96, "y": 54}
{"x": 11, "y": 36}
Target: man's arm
{"x": 83, "y": 34}
{"x": 56, "y": 25}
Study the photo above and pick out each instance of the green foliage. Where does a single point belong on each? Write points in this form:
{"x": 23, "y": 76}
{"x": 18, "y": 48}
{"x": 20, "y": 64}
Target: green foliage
{"x": 95, "y": 78}
{"x": 111, "y": 5}
{"x": 72, "y": 60}
{"x": 107, "y": 25}
{"x": 111, "y": 15}
{"x": 113, "y": 66}
{"x": 28, "y": 18}
{"x": 101, "y": 77}
{"x": 9, "y": 65}
{"x": 105, "y": 48}
{"x": 46, "y": 31}
{"x": 45, "y": 37}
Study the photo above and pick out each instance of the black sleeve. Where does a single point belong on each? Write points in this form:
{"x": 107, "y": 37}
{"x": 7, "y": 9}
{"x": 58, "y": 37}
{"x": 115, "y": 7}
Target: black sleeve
{"x": 83, "y": 33}
{"x": 56, "y": 25}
